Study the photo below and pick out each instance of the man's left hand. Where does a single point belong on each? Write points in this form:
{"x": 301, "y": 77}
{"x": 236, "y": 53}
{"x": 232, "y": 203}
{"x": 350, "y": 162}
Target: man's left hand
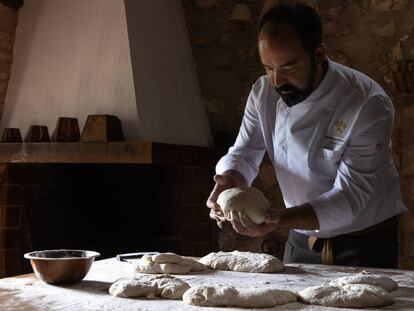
{"x": 243, "y": 225}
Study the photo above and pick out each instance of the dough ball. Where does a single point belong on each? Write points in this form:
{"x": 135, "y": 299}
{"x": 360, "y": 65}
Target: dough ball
{"x": 128, "y": 288}
{"x": 250, "y": 201}
{"x": 170, "y": 287}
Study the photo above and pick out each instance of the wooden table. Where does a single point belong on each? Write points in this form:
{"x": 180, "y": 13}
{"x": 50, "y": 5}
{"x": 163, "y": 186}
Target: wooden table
{"x": 26, "y": 292}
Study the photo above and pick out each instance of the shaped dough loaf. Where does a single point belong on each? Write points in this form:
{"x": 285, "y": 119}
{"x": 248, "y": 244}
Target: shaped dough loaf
{"x": 170, "y": 263}
{"x": 248, "y": 200}
{"x": 166, "y": 258}
{"x": 146, "y": 286}
{"x": 347, "y": 296}
{"x": 194, "y": 265}
{"x": 172, "y": 268}
{"x": 146, "y": 266}
{"x": 366, "y": 278}
{"x": 243, "y": 262}
{"x": 217, "y": 295}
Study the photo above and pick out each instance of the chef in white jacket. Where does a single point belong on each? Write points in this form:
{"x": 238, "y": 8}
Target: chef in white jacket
{"x": 327, "y": 130}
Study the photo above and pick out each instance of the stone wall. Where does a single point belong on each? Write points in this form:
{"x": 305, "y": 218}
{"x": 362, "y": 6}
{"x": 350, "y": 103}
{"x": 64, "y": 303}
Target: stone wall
{"x": 373, "y": 36}
{"x": 8, "y": 22}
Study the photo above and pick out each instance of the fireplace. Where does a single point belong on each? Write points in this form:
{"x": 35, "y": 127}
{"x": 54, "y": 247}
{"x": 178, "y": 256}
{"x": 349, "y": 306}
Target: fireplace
{"x": 111, "y": 207}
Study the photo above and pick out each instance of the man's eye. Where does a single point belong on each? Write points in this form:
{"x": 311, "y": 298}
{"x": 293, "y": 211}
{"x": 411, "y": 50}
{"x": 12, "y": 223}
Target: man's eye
{"x": 288, "y": 69}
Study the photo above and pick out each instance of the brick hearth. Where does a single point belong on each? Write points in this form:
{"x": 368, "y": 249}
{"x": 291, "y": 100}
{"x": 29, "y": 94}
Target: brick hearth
{"x": 110, "y": 208}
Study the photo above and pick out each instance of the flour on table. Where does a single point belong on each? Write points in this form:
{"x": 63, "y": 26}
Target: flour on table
{"x": 229, "y": 296}
{"x": 243, "y": 262}
{"x": 169, "y": 263}
{"x": 367, "y": 278}
{"x": 347, "y": 296}
{"x": 250, "y": 201}
{"x": 149, "y": 286}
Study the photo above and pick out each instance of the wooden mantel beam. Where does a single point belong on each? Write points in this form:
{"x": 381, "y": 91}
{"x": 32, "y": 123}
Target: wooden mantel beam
{"x": 112, "y": 152}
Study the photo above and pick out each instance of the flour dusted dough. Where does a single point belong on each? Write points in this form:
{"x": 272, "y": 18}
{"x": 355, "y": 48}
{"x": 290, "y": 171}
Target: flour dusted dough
{"x": 149, "y": 286}
{"x": 172, "y": 268}
{"x": 217, "y": 295}
{"x": 243, "y": 262}
{"x": 147, "y": 257}
{"x": 366, "y": 278}
{"x": 146, "y": 266}
{"x": 347, "y": 296}
{"x": 132, "y": 288}
{"x": 248, "y": 200}
{"x": 194, "y": 265}
{"x": 169, "y": 287}
{"x": 166, "y": 258}
{"x": 168, "y": 263}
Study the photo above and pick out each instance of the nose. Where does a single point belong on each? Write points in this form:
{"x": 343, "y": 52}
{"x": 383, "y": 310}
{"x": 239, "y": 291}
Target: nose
{"x": 278, "y": 78}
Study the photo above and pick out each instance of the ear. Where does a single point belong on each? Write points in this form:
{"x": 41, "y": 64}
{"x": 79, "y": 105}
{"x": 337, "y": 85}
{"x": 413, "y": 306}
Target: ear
{"x": 320, "y": 53}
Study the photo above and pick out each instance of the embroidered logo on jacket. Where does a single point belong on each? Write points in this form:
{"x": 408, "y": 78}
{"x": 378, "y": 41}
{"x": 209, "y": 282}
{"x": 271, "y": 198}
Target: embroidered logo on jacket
{"x": 340, "y": 127}
{"x": 335, "y": 136}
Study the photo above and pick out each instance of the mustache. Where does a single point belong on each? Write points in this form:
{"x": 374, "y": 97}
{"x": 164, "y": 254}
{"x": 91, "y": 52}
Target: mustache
{"x": 291, "y": 95}
{"x": 287, "y": 88}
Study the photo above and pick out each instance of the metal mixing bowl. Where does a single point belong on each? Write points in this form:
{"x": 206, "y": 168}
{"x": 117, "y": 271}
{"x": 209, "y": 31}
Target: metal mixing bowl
{"x": 61, "y": 266}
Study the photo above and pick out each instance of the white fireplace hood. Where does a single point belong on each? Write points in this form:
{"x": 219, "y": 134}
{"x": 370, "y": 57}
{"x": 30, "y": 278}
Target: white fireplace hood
{"x": 129, "y": 58}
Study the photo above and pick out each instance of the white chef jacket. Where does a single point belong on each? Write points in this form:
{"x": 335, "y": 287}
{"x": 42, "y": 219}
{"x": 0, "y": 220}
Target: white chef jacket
{"x": 333, "y": 150}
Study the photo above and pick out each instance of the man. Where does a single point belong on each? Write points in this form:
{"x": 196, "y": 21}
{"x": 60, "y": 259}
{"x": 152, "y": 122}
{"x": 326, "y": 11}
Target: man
{"x": 327, "y": 130}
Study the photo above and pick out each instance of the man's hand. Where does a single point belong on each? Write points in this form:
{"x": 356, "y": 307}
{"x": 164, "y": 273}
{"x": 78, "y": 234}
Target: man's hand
{"x": 227, "y": 180}
{"x": 298, "y": 217}
{"x": 243, "y": 225}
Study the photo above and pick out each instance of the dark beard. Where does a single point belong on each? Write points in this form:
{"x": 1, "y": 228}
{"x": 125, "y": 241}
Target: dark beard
{"x": 296, "y": 96}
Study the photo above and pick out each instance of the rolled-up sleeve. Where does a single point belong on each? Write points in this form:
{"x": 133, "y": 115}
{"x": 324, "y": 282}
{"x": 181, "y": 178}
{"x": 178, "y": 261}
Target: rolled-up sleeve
{"x": 368, "y": 151}
{"x": 247, "y": 152}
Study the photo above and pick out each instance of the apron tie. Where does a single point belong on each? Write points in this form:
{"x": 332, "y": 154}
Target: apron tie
{"x": 327, "y": 247}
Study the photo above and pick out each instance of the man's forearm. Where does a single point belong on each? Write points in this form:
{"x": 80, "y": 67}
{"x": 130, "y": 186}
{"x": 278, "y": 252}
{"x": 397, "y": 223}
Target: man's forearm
{"x": 241, "y": 181}
{"x": 299, "y": 217}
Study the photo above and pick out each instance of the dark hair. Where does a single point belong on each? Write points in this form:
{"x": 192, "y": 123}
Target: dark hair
{"x": 304, "y": 18}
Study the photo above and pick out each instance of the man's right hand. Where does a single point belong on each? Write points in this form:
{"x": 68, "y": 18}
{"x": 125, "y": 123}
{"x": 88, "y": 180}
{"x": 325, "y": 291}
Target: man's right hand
{"x": 229, "y": 179}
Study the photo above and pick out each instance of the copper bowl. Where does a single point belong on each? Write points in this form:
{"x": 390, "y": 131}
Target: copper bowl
{"x": 61, "y": 266}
